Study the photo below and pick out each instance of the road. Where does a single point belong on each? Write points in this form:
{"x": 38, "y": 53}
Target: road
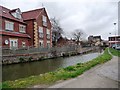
{"x": 101, "y": 76}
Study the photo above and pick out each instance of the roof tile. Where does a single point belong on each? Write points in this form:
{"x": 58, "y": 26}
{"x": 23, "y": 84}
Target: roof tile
{"x": 5, "y": 12}
{"x": 33, "y": 14}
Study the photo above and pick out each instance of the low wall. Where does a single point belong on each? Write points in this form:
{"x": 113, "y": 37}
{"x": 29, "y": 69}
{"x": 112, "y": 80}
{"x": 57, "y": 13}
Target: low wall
{"x": 22, "y": 58}
{"x": 13, "y": 59}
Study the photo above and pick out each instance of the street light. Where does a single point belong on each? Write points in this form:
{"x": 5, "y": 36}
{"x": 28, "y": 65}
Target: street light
{"x": 115, "y": 34}
{"x": 110, "y": 40}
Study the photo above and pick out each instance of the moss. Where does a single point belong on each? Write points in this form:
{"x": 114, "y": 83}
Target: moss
{"x": 60, "y": 74}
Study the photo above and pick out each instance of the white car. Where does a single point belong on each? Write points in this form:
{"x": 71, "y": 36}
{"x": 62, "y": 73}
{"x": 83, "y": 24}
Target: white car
{"x": 116, "y": 46}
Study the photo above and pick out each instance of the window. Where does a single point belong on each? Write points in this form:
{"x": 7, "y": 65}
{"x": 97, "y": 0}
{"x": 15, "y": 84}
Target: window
{"x": 41, "y": 43}
{"x": 48, "y": 43}
{"x": 48, "y": 34}
{"x": 17, "y": 14}
{"x": 22, "y": 28}
{"x": 23, "y": 44}
{"x": 41, "y": 35}
{"x": 9, "y": 25}
{"x": 13, "y": 43}
{"x": 44, "y": 19}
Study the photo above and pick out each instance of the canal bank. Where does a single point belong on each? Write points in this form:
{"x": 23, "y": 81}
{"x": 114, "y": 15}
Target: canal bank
{"x": 101, "y": 76}
{"x": 23, "y": 70}
{"x": 16, "y": 58}
{"x": 61, "y": 74}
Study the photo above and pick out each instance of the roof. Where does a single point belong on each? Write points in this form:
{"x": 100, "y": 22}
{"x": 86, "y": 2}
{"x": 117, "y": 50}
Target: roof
{"x": 97, "y": 36}
{"x": 32, "y": 14}
{"x": 5, "y": 12}
{"x": 16, "y": 34}
{"x": 114, "y": 36}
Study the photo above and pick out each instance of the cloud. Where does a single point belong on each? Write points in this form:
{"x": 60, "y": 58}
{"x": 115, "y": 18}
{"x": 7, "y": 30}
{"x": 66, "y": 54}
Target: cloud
{"x": 94, "y": 17}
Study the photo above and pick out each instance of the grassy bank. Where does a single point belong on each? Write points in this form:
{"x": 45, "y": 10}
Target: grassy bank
{"x": 115, "y": 52}
{"x": 60, "y": 74}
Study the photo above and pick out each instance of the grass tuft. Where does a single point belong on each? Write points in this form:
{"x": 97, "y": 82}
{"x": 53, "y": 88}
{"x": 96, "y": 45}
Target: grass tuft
{"x": 115, "y": 52}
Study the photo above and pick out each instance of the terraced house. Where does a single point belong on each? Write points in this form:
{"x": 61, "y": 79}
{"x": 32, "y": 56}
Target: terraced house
{"x": 23, "y": 29}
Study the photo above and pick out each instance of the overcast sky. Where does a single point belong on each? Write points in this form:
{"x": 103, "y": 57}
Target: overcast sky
{"x": 94, "y": 18}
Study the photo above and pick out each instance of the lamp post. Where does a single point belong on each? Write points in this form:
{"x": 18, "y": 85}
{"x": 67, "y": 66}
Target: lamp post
{"x": 110, "y": 40}
{"x": 115, "y": 33}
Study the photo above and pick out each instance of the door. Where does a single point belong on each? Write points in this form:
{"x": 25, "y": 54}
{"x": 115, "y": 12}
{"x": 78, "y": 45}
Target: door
{"x": 13, "y": 43}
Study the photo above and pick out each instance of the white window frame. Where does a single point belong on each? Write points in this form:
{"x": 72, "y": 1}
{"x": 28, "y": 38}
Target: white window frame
{"x": 41, "y": 34}
{"x": 48, "y": 31}
{"x": 42, "y": 43}
{"x": 18, "y": 15}
{"x": 13, "y": 43}
{"x": 48, "y": 44}
{"x": 48, "y": 34}
{"x": 9, "y": 26}
{"x": 44, "y": 20}
{"x": 23, "y": 44}
{"x": 40, "y": 29}
{"x": 22, "y": 28}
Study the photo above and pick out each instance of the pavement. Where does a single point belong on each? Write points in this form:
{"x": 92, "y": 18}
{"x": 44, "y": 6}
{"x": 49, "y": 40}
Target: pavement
{"x": 100, "y": 76}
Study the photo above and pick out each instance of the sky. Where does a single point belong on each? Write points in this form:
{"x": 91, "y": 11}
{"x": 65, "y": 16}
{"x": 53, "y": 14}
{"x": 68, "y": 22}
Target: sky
{"x": 93, "y": 17}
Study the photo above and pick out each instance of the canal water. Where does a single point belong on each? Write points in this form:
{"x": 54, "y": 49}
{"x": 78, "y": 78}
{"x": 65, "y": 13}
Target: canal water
{"x": 16, "y": 71}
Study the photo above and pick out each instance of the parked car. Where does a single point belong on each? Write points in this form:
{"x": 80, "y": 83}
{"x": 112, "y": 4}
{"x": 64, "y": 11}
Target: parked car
{"x": 116, "y": 46}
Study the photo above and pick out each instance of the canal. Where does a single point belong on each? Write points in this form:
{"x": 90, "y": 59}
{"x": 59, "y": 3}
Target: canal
{"x": 16, "y": 71}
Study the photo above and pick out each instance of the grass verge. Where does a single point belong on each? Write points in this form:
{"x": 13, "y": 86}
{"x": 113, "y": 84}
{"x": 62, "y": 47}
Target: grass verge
{"x": 60, "y": 74}
{"x": 115, "y": 52}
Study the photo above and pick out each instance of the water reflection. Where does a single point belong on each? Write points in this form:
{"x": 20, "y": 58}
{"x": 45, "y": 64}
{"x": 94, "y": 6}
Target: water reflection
{"x": 12, "y": 72}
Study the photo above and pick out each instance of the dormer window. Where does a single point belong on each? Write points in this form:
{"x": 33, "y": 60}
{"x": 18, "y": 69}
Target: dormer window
{"x": 16, "y": 13}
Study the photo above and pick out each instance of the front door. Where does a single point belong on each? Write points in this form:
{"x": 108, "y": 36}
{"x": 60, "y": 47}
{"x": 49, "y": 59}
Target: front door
{"x": 13, "y": 43}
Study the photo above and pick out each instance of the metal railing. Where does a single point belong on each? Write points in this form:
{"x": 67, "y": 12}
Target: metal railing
{"x": 32, "y": 50}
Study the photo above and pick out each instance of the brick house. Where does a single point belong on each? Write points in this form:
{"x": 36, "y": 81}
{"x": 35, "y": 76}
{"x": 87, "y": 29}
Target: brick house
{"x": 13, "y": 31}
{"x": 94, "y": 40}
{"x": 113, "y": 40}
{"x": 21, "y": 29}
{"x": 65, "y": 42}
{"x": 38, "y": 27}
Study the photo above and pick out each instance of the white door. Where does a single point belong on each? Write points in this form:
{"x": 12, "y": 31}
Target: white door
{"x": 13, "y": 43}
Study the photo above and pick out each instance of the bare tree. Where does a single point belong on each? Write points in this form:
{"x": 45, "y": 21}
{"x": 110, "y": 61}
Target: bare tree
{"x": 77, "y": 35}
{"x": 56, "y": 30}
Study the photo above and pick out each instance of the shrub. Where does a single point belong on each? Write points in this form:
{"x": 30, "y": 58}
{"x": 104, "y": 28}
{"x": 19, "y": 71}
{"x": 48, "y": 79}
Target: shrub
{"x": 30, "y": 59}
{"x": 42, "y": 57}
{"x": 21, "y": 59}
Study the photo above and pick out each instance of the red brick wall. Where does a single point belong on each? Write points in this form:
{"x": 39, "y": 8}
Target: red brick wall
{"x": 20, "y": 40}
{"x": 30, "y": 31}
{"x": 16, "y": 29}
{"x": 3, "y": 41}
{"x": 39, "y": 22}
{"x": 16, "y": 24}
